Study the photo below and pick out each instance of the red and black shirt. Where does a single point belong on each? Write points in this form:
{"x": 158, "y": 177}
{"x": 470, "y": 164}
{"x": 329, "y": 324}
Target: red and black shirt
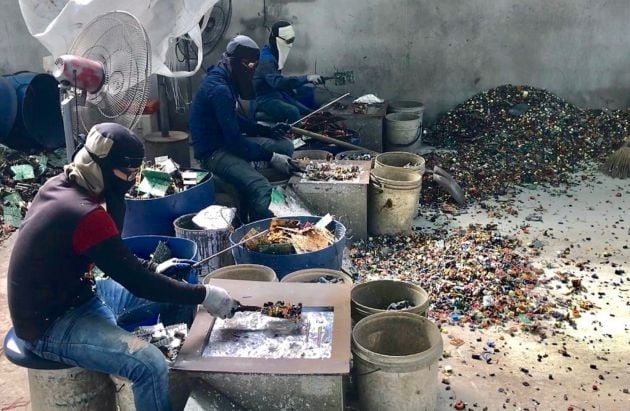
{"x": 63, "y": 233}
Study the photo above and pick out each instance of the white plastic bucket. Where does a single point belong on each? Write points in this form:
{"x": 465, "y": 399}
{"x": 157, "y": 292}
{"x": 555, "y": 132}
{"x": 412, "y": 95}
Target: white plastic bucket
{"x": 406, "y": 106}
{"x": 402, "y": 132}
{"x": 396, "y": 362}
{"x": 393, "y": 197}
{"x": 400, "y": 160}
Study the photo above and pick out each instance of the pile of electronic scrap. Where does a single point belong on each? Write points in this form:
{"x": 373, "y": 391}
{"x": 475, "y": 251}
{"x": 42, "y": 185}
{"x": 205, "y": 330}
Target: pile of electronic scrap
{"x": 280, "y": 309}
{"x": 289, "y": 237}
{"x": 330, "y": 171}
{"x": 21, "y": 175}
{"x": 164, "y": 177}
{"x": 168, "y": 339}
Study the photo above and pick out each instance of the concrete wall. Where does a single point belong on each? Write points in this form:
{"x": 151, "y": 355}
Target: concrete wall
{"x": 18, "y": 49}
{"x": 443, "y": 51}
{"x": 440, "y": 52}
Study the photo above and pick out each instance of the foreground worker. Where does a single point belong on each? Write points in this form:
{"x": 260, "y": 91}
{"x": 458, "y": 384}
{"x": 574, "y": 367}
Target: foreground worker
{"x": 277, "y": 95}
{"x": 217, "y": 128}
{"x": 52, "y": 301}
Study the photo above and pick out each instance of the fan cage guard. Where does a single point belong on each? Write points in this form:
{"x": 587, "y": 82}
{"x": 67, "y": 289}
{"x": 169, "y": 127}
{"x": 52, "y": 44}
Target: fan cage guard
{"x": 120, "y": 43}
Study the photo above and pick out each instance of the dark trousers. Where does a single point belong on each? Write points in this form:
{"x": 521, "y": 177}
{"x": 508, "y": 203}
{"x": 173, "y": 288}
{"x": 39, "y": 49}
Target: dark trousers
{"x": 253, "y": 188}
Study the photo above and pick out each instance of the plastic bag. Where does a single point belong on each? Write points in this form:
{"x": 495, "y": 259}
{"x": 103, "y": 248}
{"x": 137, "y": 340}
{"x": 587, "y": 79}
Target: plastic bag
{"x": 56, "y": 23}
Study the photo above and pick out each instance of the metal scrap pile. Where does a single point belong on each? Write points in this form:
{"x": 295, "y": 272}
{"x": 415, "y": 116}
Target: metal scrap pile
{"x": 289, "y": 237}
{"x": 473, "y": 275}
{"x": 356, "y": 156}
{"x": 281, "y": 310}
{"x": 163, "y": 178}
{"x": 328, "y": 171}
{"x": 329, "y": 125}
{"x": 520, "y": 135}
{"x": 22, "y": 175}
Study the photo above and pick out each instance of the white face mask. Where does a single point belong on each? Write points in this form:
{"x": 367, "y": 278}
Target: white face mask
{"x": 284, "y": 42}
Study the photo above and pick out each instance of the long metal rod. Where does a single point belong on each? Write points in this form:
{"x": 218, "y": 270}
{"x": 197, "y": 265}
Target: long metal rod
{"x": 205, "y": 260}
{"x": 320, "y": 109}
{"x": 329, "y": 140}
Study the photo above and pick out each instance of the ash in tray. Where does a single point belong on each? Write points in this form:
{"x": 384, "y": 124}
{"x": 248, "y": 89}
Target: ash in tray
{"x": 254, "y": 335}
{"x": 330, "y": 172}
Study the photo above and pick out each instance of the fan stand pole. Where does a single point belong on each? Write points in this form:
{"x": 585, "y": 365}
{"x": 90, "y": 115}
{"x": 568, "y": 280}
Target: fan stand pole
{"x": 164, "y": 123}
{"x": 66, "y": 114}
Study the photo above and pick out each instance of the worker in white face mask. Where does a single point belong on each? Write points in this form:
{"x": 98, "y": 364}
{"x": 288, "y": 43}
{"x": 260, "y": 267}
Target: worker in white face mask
{"x": 277, "y": 95}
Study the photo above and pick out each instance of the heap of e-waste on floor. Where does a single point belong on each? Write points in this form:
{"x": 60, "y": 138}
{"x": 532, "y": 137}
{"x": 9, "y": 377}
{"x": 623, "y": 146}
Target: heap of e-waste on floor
{"x": 513, "y": 136}
{"x": 474, "y": 276}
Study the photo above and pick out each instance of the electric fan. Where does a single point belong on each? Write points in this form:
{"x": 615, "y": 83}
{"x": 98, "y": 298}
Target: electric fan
{"x": 105, "y": 74}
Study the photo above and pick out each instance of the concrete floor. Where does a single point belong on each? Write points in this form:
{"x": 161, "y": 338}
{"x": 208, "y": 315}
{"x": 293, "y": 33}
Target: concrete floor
{"x": 528, "y": 373}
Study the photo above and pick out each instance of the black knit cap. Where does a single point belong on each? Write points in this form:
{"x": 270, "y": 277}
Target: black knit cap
{"x": 127, "y": 149}
{"x": 243, "y": 47}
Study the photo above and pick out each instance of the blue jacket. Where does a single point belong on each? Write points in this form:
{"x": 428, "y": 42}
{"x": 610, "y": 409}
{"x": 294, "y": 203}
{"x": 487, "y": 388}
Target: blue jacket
{"x": 215, "y": 123}
{"x": 269, "y": 82}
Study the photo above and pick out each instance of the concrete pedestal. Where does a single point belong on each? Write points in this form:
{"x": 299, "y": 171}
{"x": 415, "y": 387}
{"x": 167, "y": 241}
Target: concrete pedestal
{"x": 278, "y": 392}
{"x": 345, "y": 200}
{"x": 175, "y": 145}
{"x": 369, "y": 127}
{"x": 70, "y": 389}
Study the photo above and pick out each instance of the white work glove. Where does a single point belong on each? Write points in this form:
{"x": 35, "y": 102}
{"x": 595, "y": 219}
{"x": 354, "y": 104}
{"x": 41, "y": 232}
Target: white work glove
{"x": 282, "y": 163}
{"x": 219, "y": 303}
{"x": 175, "y": 267}
{"x": 315, "y": 79}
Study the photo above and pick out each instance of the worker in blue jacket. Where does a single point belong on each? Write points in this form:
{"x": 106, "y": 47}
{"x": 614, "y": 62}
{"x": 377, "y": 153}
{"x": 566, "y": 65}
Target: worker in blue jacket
{"x": 276, "y": 95}
{"x": 226, "y": 142}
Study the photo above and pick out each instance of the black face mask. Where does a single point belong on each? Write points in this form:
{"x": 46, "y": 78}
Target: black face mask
{"x": 114, "y": 193}
{"x": 243, "y": 78}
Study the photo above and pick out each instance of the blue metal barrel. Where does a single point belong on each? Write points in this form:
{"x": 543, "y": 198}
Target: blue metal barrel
{"x": 8, "y": 107}
{"x": 144, "y": 312}
{"x": 329, "y": 257}
{"x": 38, "y": 122}
{"x": 156, "y": 215}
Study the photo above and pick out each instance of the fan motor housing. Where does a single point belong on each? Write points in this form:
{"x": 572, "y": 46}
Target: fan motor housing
{"x": 80, "y": 72}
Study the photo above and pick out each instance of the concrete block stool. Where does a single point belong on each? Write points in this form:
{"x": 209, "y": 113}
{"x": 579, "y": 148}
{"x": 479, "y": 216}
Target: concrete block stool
{"x": 57, "y": 386}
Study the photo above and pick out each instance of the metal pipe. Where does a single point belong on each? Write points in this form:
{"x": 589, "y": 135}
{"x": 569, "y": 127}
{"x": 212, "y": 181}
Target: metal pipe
{"x": 205, "y": 260}
{"x": 319, "y": 109}
{"x": 329, "y": 140}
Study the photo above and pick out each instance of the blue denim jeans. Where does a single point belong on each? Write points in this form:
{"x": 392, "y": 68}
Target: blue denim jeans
{"x": 88, "y": 337}
{"x": 253, "y": 188}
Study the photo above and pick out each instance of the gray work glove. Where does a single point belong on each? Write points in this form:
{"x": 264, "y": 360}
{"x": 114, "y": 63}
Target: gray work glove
{"x": 282, "y": 163}
{"x": 315, "y": 79}
{"x": 219, "y": 303}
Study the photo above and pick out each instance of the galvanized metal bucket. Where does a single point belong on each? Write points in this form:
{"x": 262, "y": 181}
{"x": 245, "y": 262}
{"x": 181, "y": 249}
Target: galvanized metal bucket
{"x": 208, "y": 242}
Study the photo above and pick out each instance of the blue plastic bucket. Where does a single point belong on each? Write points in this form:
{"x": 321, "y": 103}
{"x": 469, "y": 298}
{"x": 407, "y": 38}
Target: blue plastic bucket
{"x": 38, "y": 122}
{"x": 155, "y": 216}
{"x": 8, "y": 107}
{"x": 143, "y": 247}
{"x": 329, "y": 257}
